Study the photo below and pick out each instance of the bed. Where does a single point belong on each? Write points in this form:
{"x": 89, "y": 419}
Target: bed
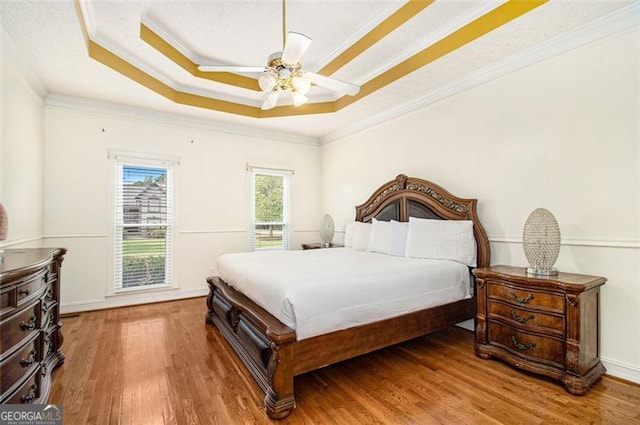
{"x": 269, "y": 346}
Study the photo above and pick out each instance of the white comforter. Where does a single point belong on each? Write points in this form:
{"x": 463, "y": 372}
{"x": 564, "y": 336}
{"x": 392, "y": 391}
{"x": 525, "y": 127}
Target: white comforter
{"x": 323, "y": 290}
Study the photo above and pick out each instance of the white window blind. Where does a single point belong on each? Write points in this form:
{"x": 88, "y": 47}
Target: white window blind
{"x": 143, "y": 224}
{"x": 269, "y": 226}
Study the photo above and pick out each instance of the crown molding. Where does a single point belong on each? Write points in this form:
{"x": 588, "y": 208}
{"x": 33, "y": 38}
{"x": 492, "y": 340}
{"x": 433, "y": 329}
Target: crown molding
{"x": 619, "y": 21}
{"x": 172, "y": 119}
{"x": 438, "y": 34}
{"x": 11, "y": 52}
{"x": 389, "y": 10}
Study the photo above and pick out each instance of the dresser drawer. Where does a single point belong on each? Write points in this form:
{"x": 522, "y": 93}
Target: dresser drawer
{"x": 31, "y": 286}
{"x": 7, "y": 299}
{"x": 28, "y": 392}
{"x": 19, "y": 364}
{"x": 523, "y": 297}
{"x": 539, "y": 348}
{"x": 526, "y": 319}
{"x": 19, "y": 326}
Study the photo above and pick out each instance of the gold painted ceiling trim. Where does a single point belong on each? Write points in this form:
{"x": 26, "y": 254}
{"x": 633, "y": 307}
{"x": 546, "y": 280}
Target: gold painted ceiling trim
{"x": 475, "y": 29}
{"x": 471, "y": 31}
{"x": 383, "y": 29}
{"x": 164, "y": 47}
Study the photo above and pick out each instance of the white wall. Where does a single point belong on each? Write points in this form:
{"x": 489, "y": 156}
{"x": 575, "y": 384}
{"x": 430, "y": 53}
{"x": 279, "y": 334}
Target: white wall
{"x": 21, "y": 156}
{"x": 561, "y": 134}
{"x": 210, "y": 195}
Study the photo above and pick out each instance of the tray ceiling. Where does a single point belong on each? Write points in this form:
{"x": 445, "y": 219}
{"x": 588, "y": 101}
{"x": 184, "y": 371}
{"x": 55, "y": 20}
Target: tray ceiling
{"x": 145, "y": 53}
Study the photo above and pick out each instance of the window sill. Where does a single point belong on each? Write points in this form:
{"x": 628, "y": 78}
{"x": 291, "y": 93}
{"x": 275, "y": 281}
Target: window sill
{"x": 142, "y": 290}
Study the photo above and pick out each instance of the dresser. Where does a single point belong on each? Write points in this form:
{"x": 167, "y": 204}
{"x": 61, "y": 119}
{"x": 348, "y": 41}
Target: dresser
{"x": 547, "y": 325}
{"x": 29, "y": 323}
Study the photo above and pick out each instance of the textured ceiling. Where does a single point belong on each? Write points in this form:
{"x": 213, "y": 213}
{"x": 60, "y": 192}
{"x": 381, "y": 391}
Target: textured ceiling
{"x": 50, "y": 38}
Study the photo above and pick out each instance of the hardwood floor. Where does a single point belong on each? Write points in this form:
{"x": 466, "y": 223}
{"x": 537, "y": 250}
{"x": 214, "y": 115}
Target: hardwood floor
{"x": 160, "y": 364}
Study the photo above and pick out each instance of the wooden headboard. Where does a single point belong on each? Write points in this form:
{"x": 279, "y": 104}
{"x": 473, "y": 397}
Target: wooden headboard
{"x": 406, "y": 197}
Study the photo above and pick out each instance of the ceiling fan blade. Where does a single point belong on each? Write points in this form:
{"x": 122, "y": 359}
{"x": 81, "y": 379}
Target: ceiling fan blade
{"x": 333, "y": 84}
{"x": 230, "y": 68}
{"x": 295, "y": 47}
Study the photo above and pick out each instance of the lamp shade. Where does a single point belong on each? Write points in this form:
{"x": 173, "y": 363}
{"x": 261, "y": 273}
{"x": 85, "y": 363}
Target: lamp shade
{"x": 4, "y": 223}
{"x": 541, "y": 242}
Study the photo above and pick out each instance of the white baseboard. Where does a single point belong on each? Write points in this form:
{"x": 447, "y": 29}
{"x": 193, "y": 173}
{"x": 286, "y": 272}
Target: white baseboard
{"x": 621, "y": 370}
{"x": 133, "y": 299}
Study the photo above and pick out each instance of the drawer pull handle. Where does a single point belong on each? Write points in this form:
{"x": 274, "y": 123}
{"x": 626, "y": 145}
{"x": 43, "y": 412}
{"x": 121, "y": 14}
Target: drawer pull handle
{"x": 31, "y": 395}
{"x": 522, "y": 347}
{"x": 29, "y": 360}
{"x": 30, "y": 325}
{"x": 519, "y": 299}
{"x": 23, "y": 292}
{"x": 521, "y": 319}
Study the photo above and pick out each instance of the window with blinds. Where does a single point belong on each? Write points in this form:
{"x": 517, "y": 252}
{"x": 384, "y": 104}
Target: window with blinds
{"x": 143, "y": 225}
{"x": 269, "y": 209}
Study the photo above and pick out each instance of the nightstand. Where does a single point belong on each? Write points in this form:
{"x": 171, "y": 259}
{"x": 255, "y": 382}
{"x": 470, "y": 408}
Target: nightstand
{"x": 542, "y": 324}
{"x": 318, "y": 245}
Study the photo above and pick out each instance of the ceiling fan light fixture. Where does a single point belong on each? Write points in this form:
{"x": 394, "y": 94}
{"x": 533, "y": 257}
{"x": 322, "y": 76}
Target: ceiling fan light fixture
{"x": 267, "y": 82}
{"x": 298, "y": 98}
{"x": 301, "y": 85}
{"x": 270, "y": 100}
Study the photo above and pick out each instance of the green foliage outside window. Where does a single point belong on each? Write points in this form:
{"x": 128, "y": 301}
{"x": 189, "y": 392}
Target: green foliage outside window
{"x": 268, "y": 198}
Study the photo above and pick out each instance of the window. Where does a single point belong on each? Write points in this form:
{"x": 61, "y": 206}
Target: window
{"x": 143, "y": 224}
{"x": 269, "y": 209}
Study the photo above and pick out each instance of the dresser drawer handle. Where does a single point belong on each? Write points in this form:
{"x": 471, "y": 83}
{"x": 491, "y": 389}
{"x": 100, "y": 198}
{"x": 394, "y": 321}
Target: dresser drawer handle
{"x": 29, "y": 326}
{"x": 29, "y": 360}
{"x": 521, "y": 319}
{"x": 31, "y": 395}
{"x": 522, "y": 347}
{"x": 23, "y": 292}
{"x": 521, "y": 300}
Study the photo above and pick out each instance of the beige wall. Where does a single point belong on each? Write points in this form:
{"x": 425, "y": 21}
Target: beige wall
{"x": 211, "y": 204}
{"x": 561, "y": 134}
{"x": 21, "y": 157}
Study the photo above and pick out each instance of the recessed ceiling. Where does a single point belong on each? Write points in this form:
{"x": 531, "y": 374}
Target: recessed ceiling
{"x": 113, "y": 52}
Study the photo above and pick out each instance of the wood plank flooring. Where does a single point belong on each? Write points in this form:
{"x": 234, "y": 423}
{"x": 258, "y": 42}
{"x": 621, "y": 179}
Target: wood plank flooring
{"x": 160, "y": 364}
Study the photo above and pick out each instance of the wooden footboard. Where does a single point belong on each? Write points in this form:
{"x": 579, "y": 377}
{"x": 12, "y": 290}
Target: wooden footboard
{"x": 262, "y": 342}
{"x": 272, "y": 355}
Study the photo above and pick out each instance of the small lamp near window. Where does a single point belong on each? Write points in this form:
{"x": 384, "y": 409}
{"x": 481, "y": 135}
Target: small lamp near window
{"x": 541, "y": 241}
{"x": 4, "y": 228}
{"x": 326, "y": 231}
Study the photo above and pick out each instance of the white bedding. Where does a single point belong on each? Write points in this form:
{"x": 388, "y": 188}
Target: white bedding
{"x": 323, "y": 290}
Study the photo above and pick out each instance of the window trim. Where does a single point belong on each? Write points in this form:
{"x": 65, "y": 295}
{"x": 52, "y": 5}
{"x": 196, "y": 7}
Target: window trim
{"x": 116, "y": 160}
{"x": 286, "y": 213}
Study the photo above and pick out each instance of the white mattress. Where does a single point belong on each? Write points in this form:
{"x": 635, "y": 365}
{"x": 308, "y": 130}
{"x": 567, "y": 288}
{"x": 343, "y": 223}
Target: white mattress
{"x": 323, "y": 290}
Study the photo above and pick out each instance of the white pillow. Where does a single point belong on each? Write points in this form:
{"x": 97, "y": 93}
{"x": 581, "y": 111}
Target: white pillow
{"x": 348, "y": 235}
{"x": 399, "y": 231}
{"x": 442, "y": 239}
{"x": 361, "y": 232}
{"x": 380, "y": 238}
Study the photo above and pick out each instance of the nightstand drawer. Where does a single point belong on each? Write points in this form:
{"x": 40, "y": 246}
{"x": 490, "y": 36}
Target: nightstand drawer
{"x": 523, "y": 297}
{"x": 526, "y": 319}
{"x": 540, "y": 348}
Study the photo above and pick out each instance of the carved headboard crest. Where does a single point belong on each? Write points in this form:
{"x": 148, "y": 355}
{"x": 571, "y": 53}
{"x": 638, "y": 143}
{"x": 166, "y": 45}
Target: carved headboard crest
{"x": 406, "y": 193}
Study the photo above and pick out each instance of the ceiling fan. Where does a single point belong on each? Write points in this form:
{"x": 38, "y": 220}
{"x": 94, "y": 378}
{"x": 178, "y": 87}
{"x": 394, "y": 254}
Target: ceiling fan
{"x": 283, "y": 74}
